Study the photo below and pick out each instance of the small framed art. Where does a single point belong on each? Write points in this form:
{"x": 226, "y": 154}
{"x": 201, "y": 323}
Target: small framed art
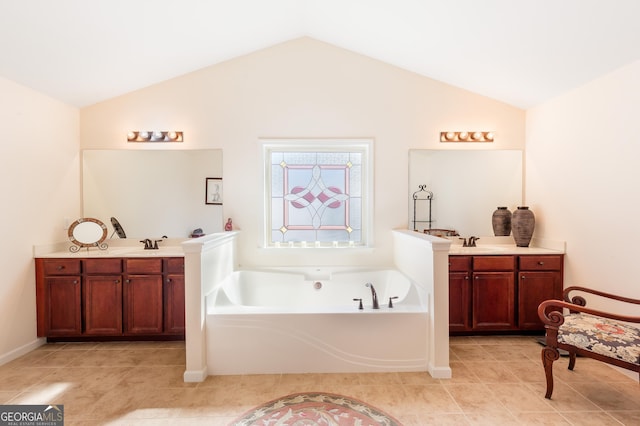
{"x": 213, "y": 191}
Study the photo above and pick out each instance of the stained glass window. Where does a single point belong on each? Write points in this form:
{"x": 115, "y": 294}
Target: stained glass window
{"x": 317, "y": 194}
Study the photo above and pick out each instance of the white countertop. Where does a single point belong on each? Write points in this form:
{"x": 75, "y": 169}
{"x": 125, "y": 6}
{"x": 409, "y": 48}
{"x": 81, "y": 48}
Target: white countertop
{"x": 170, "y": 247}
{"x": 505, "y": 246}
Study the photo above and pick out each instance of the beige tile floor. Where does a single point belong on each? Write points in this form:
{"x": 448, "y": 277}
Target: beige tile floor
{"x": 496, "y": 381}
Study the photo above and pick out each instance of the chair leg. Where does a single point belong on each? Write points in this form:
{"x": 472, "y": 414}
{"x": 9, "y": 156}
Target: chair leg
{"x": 549, "y": 354}
{"x": 572, "y": 360}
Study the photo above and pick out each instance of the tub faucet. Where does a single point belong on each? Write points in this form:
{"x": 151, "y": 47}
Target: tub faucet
{"x": 374, "y": 296}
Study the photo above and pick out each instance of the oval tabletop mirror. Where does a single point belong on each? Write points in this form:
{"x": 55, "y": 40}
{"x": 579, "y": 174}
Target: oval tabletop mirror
{"x": 87, "y": 232}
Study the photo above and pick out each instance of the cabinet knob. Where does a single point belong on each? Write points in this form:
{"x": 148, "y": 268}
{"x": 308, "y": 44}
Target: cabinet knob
{"x": 169, "y": 280}
{"x": 541, "y": 263}
{"x": 75, "y": 281}
{"x": 116, "y": 281}
{"x": 60, "y": 267}
{"x": 127, "y": 281}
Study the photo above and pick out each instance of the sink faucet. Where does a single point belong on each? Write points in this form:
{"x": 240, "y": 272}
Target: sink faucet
{"x": 374, "y": 296}
{"x": 471, "y": 242}
{"x": 147, "y": 244}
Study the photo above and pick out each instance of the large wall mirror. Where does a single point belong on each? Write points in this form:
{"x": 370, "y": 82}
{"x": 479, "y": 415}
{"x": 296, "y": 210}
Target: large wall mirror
{"x": 467, "y": 186}
{"x": 152, "y": 193}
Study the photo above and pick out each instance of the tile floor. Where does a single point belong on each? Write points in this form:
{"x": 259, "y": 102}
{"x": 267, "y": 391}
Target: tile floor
{"x": 496, "y": 381}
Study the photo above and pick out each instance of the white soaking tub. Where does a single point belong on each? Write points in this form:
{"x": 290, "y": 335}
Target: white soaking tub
{"x": 297, "y": 320}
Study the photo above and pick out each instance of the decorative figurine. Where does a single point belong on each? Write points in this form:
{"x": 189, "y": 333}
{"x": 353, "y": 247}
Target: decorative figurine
{"x": 229, "y": 225}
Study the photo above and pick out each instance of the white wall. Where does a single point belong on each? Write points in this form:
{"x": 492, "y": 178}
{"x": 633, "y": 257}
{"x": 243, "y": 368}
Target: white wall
{"x": 582, "y": 179}
{"x": 40, "y": 187}
{"x": 304, "y": 88}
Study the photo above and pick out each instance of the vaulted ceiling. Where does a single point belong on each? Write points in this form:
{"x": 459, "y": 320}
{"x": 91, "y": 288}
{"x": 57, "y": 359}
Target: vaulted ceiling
{"x": 521, "y": 52}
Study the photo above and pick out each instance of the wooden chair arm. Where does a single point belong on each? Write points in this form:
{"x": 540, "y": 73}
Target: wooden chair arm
{"x": 554, "y": 317}
{"x": 579, "y": 300}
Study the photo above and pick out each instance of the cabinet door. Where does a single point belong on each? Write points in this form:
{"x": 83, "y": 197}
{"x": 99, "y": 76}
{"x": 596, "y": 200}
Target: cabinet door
{"x": 174, "y": 304}
{"x": 493, "y": 301}
{"x": 63, "y": 306}
{"x": 459, "y": 301}
{"x": 102, "y": 297}
{"x": 143, "y": 304}
{"x": 533, "y": 288}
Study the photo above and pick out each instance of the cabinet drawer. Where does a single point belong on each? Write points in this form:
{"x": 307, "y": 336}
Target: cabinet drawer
{"x": 103, "y": 266}
{"x": 175, "y": 265}
{"x": 494, "y": 263}
{"x": 144, "y": 266}
{"x": 61, "y": 266}
{"x": 459, "y": 263}
{"x": 540, "y": 263}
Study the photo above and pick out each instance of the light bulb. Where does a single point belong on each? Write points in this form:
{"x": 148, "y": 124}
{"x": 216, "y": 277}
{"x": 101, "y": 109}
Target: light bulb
{"x": 488, "y": 136}
{"x": 476, "y": 136}
{"x": 450, "y": 136}
{"x": 144, "y": 135}
{"x": 158, "y": 135}
{"x": 131, "y": 136}
{"x": 463, "y": 136}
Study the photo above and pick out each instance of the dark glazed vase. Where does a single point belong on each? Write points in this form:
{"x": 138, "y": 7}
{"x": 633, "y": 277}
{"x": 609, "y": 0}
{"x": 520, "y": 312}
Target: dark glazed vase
{"x": 501, "y": 222}
{"x": 523, "y": 223}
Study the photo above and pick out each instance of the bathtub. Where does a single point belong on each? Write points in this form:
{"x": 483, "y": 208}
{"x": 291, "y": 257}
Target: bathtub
{"x": 297, "y": 320}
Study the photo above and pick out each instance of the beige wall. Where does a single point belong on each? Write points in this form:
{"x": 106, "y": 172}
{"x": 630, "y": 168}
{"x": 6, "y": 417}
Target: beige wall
{"x": 304, "y": 88}
{"x": 582, "y": 179}
{"x": 40, "y": 187}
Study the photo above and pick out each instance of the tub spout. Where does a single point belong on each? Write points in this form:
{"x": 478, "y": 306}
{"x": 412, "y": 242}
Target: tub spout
{"x": 374, "y": 296}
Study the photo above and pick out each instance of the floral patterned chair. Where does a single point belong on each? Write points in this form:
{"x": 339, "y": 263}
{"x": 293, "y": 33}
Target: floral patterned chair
{"x": 605, "y": 336}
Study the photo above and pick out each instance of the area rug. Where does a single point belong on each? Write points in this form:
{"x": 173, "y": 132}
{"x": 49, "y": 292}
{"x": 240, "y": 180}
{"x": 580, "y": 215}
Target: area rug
{"x": 311, "y": 409}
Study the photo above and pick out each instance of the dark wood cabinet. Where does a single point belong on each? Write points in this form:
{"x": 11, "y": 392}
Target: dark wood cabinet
{"x": 62, "y": 291}
{"x": 501, "y": 293}
{"x": 126, "y": 298}
{"x": 174, "y": 297}
{"x": 539, "y": 279}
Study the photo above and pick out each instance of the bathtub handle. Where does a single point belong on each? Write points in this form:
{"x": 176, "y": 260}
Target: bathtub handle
{"x": 360, "y": 305}
{"x": 391, "y": 301}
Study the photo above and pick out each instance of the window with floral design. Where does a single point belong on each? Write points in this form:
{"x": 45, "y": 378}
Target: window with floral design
{"x": 317, "y": 193}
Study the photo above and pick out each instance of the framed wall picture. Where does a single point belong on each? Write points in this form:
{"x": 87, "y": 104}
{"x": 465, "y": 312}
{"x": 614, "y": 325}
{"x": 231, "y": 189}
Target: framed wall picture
{"x": 213, "y": 189}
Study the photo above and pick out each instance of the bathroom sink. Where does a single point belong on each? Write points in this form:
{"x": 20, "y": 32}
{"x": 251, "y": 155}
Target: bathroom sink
{"x": 161, "y": 252}
{"x": 480, "y": 249}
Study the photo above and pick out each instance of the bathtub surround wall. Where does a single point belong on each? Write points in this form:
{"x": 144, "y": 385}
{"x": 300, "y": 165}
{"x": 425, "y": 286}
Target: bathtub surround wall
{"x": 39, "y": 162}
{"x": 208, "y": 261}
{"x": 425, "y": 259}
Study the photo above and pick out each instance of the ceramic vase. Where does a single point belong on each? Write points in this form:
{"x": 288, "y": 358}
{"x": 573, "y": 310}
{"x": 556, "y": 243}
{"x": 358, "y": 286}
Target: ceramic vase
{"x": 501, "y": 222}
{"x": 523, "y": 223}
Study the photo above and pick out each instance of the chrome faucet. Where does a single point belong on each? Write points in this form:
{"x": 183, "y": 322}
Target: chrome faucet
{"x": 374, "y": 296}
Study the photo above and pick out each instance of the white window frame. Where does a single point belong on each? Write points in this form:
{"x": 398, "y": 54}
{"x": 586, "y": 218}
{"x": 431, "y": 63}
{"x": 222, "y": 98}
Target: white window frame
{"x": 361, "y": 145}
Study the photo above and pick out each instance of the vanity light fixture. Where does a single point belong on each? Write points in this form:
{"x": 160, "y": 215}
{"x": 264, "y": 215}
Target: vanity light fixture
{"x": 154, "y": 136}
{"x": 466, "y": 136}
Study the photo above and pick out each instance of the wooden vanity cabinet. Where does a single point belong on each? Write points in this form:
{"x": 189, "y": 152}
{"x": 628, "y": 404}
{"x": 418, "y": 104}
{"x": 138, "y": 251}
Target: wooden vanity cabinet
{"x": 501, "y": 293}
{"x": 125, "y": 298}
{"x": 539, "y": 279}
{"x": 459, "y": 293}
{"x": 143, "y": 302}
{"x": 493, "y": 296}
{"x": 102, "y": 297}
{"x": 58, "y": 283}
{"x": 174, "y": 297}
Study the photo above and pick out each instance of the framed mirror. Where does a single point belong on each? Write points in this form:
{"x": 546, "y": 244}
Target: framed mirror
{"x": 87, "y": 232}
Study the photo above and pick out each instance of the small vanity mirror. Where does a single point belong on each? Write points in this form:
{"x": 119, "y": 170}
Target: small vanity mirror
{"x": 87, "y": 232}
{"x": 467, "y": 187}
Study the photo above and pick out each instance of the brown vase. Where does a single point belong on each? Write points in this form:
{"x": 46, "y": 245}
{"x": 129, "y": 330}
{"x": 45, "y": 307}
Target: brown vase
{"x": 523, "y": 223}
{"x": 501, "y": 222}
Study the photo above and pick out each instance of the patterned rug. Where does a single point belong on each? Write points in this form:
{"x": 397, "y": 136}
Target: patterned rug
{"x": 311, "y": 409}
